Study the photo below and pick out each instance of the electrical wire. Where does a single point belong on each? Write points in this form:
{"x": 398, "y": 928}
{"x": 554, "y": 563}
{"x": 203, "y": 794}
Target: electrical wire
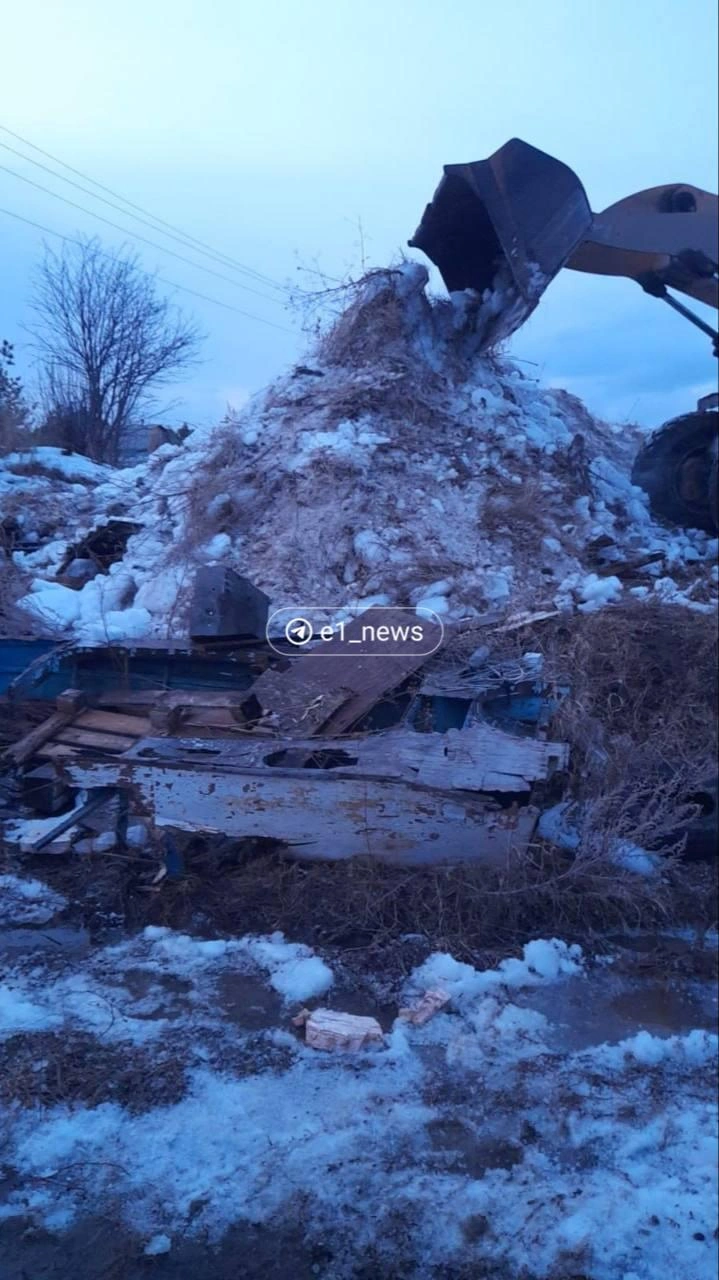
{"x": 127, "y": 214}
{"x": 174, "y": 284}
{"x": 126, "y": 231}
{"x": 234, "y": 262}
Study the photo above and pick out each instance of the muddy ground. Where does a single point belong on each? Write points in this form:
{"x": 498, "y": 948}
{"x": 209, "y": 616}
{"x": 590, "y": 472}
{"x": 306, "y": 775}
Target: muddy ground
{"x": 656, "y": 979}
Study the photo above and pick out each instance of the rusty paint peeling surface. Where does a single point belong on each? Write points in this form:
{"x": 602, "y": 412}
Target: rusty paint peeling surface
{"x": 400, "y": 796}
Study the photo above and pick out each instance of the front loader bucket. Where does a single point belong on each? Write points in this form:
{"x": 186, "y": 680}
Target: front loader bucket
{"x": 520, "y": 210}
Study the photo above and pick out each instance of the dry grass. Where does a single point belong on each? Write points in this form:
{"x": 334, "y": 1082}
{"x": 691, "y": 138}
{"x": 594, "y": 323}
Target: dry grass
{"x": 13, "y": 585}
{"x": 644, "y": 689}
{"x": 361, "y": 903}
{"x": 52, "y": 1068}
{"x": 640, "y": 719}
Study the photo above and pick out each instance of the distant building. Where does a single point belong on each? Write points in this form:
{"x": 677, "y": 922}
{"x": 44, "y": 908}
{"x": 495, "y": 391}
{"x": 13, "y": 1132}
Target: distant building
{"x": 143, "y": 438}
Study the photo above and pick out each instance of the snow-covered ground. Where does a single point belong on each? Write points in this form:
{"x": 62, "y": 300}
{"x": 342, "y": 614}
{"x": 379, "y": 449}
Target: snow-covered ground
{"x": 506, "y": 1137}
{"x": 403, "y": 468}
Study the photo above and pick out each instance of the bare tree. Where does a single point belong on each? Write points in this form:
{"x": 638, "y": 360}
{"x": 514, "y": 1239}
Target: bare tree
{"x": 106, "y": 339}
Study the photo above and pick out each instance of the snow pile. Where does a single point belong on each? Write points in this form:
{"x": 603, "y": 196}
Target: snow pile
{"x": 406, "y": 463}
{"x": 293, "y": 970}
{"x": 51, "y": 462}
{"x": 541, "y": 960}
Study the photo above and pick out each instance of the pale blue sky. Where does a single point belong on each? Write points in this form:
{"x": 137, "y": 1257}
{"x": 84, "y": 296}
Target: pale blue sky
{"x": 269, "y": 129}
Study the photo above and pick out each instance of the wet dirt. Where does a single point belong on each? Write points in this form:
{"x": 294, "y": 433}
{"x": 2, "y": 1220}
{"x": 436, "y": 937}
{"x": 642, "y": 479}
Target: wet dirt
{"x": 63, "y": 939}
{"x": 101, "y": 1249}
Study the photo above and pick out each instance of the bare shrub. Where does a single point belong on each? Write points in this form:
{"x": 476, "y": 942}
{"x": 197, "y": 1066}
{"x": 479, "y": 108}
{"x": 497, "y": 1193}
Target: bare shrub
{"x": 643, "y": 685}
{"x": 364, "y": 903}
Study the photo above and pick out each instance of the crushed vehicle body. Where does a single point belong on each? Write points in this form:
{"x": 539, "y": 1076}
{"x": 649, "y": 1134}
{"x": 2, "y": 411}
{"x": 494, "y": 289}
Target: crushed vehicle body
{"x": 399, "y": 796}
{"x": 292, "y": 757}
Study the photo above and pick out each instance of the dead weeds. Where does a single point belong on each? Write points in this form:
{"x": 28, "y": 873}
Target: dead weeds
{"x": 400, "y": 913}
{"x": 51, "y": 1068}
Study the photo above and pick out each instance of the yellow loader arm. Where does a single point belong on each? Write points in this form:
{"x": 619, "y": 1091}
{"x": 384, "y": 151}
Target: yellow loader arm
{"x": 508, "y": 224}
{"x": 666, "y": 235}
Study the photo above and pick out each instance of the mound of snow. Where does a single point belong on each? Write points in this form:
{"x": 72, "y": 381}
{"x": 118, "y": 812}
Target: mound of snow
{"x": 409, "y": 464}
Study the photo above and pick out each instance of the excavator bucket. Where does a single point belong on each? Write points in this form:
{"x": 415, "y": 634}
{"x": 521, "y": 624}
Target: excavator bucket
{"x": 509, "y": 222}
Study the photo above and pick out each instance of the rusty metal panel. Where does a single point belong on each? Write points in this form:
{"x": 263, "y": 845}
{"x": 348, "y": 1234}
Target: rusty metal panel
{"x": 320, "y": 815}
{"x": 400, "y": 796}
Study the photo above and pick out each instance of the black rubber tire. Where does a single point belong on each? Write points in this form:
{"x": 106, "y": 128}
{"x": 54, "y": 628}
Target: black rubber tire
{"x": 658, "y": 470}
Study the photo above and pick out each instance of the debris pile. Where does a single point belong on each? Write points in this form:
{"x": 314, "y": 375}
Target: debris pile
{"x": 403, "y": 466}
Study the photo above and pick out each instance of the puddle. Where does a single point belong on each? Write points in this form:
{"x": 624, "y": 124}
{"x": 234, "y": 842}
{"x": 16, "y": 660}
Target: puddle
{"x": 250, "y": 1002}
{"x": 61, "y": 939}
{"x": 155, "y": 996}
{"x": 606, "y": 1008}
{"x": 140, "y": 982}
{"x": 472, "y": 1153}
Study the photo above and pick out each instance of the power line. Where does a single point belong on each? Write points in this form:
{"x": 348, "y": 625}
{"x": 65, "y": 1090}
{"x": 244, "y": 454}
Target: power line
{"x": 173, "y": 283}
{"x": 127, "y": 231}
{"x": 234, "y": 262}
{"x": 145, "y": 221}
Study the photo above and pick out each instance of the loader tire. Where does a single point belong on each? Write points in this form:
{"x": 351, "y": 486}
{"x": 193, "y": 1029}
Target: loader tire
{"x": 677, "y": 468}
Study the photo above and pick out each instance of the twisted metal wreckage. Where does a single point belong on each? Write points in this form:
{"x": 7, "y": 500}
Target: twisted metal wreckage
{"x": 404, "y": 758}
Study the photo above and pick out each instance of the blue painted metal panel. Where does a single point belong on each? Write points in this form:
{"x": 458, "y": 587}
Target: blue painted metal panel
{"x": 16, "y": 656}
{"x": 97, "y": 670}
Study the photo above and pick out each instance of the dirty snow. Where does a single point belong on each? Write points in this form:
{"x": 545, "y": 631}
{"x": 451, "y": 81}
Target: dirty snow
{"x": 45, "y": 458}
{"x": 27, "y": 901}
{"x": 543, "y": 1149}
{"x": 416, "y": 468}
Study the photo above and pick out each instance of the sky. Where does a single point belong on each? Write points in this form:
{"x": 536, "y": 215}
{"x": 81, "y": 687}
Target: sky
{"x": 296, "y": 137}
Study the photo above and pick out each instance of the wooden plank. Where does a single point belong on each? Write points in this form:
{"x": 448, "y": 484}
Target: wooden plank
{"x": 128, "y": 697}
{"x": 211, "y": 718}
{"x": 204, "y": 698}
{"x": 113, "y": 722}
{"x": 327, "y": 692}
{"x": 70, "y": 700}
{"x": 95, "y": 741}
{"x": 481, "y": 758}
{"x": 68, "y": 705}
{"x": 143, "y": 700}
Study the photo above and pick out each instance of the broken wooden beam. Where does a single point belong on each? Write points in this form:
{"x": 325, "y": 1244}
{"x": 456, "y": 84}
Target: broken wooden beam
{"x": 398, "y": 796}
{"x": 68, "y": 705}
